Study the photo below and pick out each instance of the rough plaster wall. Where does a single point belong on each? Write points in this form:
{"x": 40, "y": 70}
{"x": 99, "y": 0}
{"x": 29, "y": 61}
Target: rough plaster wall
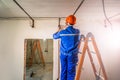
{"x": 13, "y": 33}
{"x": 107, "y": 42}
{"x": 49, "y": 54}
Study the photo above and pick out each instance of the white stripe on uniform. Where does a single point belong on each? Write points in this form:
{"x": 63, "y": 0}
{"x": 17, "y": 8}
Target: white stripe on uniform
{"x": 69, "y": 34}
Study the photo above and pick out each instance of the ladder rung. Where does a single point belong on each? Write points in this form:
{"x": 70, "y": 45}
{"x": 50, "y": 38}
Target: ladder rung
{"x": 90, "y": 51}
{"x": 101, "y": 77}
{"x": 93, "y": 52}
{"x": 80, "y": 52}
{"x": 84, "y": 40}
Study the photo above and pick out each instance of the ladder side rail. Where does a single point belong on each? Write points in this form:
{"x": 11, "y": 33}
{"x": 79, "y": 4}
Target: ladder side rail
{"x": 99, "y": 57}
{"x": 91, "y": 61}
{"x": 81, "y": 60}
{"x": 33, "y": 54}
{"x": 40, "y": 52}
{"x": 33, "y": 51}
{"x": 82, "y": 39}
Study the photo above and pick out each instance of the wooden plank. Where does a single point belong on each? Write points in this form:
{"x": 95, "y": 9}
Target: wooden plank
{"x": 33, "y": 54}
{"x": 58, "y": 60}
{"x": 25, "y": 51}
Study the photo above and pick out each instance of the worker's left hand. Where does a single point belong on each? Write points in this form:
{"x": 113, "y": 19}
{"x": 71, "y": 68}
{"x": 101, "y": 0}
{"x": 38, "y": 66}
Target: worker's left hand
{"x": 62, "y": 27}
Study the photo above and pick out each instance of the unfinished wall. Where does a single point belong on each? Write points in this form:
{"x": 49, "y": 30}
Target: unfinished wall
{"x": 13, "y": 33}
{"x": 107, "y": 38}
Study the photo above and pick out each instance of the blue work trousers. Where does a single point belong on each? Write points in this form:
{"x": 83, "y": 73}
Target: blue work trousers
{"x": 68, "y": 66}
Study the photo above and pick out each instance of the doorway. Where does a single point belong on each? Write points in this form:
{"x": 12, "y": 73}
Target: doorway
{"x": 38, "y": 59}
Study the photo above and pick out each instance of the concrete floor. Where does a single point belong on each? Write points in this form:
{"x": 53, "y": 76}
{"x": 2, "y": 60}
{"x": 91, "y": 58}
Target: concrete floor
{"x": 40, "y": 72}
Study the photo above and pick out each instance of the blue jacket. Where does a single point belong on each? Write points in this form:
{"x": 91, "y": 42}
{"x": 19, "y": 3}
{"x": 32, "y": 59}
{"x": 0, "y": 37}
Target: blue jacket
{"x": 70, "y": 38}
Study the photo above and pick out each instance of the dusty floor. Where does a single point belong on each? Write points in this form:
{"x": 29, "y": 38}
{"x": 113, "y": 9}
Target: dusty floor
{"x": 40, "y": 72}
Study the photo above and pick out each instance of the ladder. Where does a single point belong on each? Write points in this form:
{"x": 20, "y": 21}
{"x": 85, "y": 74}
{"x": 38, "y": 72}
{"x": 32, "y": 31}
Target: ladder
{"x": 36, "y": 45}
{"x": 90, "y": 37}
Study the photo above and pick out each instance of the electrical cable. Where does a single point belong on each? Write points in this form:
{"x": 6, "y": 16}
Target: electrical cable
{"x": 104, "y": 11}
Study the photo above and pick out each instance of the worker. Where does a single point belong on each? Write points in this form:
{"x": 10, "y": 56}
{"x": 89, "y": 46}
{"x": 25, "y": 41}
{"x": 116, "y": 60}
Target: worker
{"x": 70, "y": 38}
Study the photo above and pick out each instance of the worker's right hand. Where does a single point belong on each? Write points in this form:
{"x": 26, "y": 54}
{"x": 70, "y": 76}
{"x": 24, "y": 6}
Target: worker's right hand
{"x": 62, "y": 27}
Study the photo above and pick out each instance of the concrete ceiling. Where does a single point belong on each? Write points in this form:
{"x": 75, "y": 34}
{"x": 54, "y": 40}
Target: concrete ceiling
{"x": 57, "y": 8}
{"x": 38, "y": 8}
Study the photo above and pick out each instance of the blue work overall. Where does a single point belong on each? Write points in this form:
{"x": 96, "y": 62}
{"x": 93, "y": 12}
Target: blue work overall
{"x": 70, "y": 38}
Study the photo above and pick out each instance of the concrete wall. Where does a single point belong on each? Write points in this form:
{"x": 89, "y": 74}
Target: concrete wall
{"x": 13, "y": 33}
{"x": 107, "y": 39}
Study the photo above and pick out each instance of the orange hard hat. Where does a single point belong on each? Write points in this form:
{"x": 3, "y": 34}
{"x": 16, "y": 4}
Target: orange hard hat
{"x": 71, "y": 19}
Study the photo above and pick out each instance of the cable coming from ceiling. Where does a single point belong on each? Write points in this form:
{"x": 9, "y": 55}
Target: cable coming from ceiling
{"x": 104, "y": 11}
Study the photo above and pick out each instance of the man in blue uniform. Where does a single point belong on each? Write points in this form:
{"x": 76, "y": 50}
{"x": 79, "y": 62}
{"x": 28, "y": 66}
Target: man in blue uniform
{"x": 70, "y": 38}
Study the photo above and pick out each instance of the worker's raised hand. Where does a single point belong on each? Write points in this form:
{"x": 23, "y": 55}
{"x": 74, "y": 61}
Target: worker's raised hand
{"x": 62, "y": 27}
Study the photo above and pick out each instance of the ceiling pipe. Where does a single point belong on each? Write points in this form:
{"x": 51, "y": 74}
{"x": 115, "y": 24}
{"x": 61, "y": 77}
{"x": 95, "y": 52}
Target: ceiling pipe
{"x": 25, "y": 12}
{"x": 78, "y": 7}
{"x": 59, "y": 20}
{"x": 26, "y": 18}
